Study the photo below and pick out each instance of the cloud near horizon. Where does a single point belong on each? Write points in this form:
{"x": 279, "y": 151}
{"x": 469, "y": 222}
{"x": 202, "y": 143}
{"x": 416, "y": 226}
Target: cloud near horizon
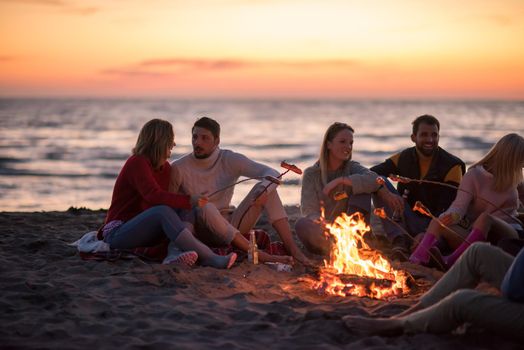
{"x": 7, "y": 58}
{"x": 173, "y": 66}
{"x": 65, "y": 6}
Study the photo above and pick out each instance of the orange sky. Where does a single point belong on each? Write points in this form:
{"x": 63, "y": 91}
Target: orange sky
{"x": 263, "y": 48}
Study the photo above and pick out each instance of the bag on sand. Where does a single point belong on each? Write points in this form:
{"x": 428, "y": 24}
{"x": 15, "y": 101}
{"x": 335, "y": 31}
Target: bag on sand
{"x": 91, "y": 248}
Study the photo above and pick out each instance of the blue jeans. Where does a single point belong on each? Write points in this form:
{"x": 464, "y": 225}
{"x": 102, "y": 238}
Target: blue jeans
{"x": 147, "y": 229}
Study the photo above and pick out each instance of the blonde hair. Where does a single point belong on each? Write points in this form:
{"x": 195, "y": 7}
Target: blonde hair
{"x": 505, "y": 161}
{"x": 155, "y": 138}
{"x": 330, "y": 134}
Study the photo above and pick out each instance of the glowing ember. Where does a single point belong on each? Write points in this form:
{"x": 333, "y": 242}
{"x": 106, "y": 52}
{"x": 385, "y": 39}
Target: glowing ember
{"x": 354, "y": 268}
{"x": 421, "y": 208}
{"x": 398, "y": 178}
{"x": 380, "y": 181}
{"x": 380, "y": 212}
{"x": 340, "y": 196}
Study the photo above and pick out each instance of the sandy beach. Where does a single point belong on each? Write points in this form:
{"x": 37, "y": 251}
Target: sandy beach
{"x": 52, "y": 299}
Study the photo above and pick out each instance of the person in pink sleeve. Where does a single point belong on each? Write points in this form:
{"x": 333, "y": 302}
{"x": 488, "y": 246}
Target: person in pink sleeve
{"x": 487, "y": 197}
{"x": 143, "y": 212}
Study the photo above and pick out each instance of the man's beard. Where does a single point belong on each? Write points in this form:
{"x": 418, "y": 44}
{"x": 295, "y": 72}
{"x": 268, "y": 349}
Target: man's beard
{"x": 200, "y": 156}
{"x": 427, "y": 153}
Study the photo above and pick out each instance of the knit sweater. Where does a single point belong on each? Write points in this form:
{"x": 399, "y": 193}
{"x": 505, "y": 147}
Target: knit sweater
{"x": 194, "y": 176}
{"x": 139, "y": 187}
{"x": 363, "y": 181}
{"x": 479, "y": 183}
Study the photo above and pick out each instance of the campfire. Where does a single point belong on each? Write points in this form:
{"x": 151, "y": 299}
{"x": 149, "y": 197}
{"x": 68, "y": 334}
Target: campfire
{"x": 353, "y": 267}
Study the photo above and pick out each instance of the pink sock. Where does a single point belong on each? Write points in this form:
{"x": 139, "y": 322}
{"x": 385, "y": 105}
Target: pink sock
{"x": 475, "y": 235}
{"x": 421, "y": 254}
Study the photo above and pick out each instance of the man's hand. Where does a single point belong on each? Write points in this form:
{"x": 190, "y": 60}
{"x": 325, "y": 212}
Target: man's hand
{"x": 393, "y": 201}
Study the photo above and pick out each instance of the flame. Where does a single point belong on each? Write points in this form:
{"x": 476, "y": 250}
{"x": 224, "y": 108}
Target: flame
{"x": 398, "y": 178}
{"x": 421, "y": 208}
{"x": 380, "y": 212}
{"x": 369, "y": 273}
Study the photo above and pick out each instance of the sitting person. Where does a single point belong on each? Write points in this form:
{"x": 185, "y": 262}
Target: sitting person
{"x": 514, "y": 245}
{"x": 487, "y": 196}
{"x": 208, "y": 169}
{"x": 143, "y": 212}
{"x": 334, "y": 175}
{"x": 450, "y": 303}
{"x": 425, "y": 161}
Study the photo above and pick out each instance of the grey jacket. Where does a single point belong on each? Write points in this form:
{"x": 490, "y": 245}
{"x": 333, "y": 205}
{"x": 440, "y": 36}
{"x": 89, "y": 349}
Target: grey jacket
{"x": 363, "y": 179}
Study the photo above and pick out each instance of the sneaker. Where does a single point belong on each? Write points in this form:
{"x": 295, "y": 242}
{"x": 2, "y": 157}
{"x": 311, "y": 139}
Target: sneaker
{"x": 437, "y": 260}
{"x": 188, "y": 258}
{"x": 400, "y": 254}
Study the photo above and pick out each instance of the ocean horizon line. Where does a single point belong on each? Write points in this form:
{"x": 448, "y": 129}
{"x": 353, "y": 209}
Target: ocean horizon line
{"x": 258, "y": 99}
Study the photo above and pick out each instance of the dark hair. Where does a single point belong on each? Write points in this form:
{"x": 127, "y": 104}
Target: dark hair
{"x": 425, "y": 119}
{"x": 208, "y": 124}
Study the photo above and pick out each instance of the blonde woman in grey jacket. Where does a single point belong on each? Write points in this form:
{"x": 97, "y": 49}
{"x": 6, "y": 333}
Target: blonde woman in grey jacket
{"x": 338, "y": 184}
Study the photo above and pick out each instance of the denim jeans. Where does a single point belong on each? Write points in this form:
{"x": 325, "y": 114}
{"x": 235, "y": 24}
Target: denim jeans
{"x": 147, "y": 228}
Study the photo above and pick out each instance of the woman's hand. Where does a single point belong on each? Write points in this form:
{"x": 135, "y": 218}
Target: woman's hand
{"x": 333, "y": 184}
{"x": 449, "y": 219}
{"x": 199, "y": 200}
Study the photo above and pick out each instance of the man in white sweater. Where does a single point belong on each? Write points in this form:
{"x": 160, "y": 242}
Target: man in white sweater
{"x": 209, "y": 168}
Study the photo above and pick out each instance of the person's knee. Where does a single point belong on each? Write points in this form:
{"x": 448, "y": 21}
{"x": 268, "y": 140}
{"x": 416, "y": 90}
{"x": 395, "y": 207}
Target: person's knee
{"x": 484, "y": 221}
{"x": 479, "y": 250}
{"x": 303, "y": 227}
{"x": 311, "y": 235}
{"x": 162, "y": 211}
{"x": 189, "y": 226}
{"x": 477, "y": 253}
{"x": 208, "y": 211}
{"x": 460, "y": 303}
{"x": 460, "y": 298}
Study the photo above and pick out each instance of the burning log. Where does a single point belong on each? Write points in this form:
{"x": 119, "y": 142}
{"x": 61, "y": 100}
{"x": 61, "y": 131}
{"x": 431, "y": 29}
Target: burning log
{"x": 353, "y": 267}
{"x": 366, "y": 281}
{"x": 349, "y": 284}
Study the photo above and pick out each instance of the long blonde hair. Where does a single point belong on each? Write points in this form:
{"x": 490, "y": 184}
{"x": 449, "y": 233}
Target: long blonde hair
{"x": 155, "y": 138}
{"x": 505, "y": 161}
{"x": 330, "y": 134}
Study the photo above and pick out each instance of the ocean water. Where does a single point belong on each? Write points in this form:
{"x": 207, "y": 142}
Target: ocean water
{"x": 57, "y": 153}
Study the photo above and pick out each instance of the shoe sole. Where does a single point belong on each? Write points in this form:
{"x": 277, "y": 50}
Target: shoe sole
{"x": 186, "y": 258}
{"x": 231, "y": 260}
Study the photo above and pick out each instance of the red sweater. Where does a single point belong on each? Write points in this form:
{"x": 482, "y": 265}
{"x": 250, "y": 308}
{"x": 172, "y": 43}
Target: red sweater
{"x": 139, "y": 187}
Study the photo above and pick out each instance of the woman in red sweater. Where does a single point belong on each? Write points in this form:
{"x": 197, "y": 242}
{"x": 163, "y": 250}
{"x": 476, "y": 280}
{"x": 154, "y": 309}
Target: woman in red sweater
{"x": 143, "y": 212}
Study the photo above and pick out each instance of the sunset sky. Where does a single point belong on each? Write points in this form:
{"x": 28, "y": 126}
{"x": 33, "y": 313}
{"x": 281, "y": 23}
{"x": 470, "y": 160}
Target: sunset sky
{"x": 263, "y": 48}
